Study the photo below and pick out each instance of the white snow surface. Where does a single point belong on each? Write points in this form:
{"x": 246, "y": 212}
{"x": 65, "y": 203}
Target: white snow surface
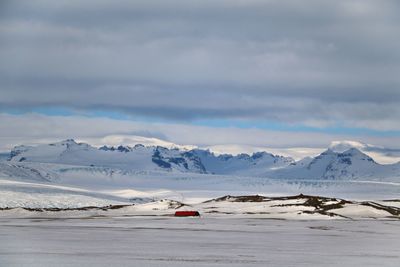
{"x": 49, "y": 200}
{"x": 197, "y": 242}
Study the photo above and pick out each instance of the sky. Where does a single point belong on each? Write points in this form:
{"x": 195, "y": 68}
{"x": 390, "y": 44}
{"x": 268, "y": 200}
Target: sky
{"x": 234, "y": 75}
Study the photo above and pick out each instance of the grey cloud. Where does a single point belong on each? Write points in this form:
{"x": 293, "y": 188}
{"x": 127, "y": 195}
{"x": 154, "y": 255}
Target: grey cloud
{"x": 330, "y": 62}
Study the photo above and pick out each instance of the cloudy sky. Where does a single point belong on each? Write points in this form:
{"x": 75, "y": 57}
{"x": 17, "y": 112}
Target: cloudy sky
{"x": 231, "y": 74}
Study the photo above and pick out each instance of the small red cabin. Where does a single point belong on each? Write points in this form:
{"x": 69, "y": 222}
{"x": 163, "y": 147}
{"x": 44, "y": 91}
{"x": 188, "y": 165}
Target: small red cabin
{"x": 186, "y": 213}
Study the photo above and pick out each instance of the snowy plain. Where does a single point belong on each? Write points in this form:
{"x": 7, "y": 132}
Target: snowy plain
{"x": 168, "y": 241}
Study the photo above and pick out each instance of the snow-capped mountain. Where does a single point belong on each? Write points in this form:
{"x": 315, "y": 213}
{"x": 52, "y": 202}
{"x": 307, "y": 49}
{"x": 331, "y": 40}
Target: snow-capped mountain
{"x": 349, "y": 164}
{"x": 138, "y": 157}
{"x": 380, "y": 154}
{"x": 144, "y": 158}
{"x": 331, "y": 164}
{"x": 256, "y": 164}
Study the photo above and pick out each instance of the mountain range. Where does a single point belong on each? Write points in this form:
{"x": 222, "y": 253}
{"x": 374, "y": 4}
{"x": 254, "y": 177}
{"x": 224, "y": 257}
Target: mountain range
{"x": 331, "y": 164}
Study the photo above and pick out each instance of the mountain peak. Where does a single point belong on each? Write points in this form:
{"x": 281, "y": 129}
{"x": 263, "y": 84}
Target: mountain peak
{"x": 65, "y": 142}
{"x": 356, "y": 153}
{"x": 341, "y": 146}
{"x": 329, "y": 151}
{"x": 353, "y": 151}
{"x": 350, "y": 152}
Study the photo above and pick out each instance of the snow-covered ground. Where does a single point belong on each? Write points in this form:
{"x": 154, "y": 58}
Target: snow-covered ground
{"x": 24, "y": 199}
{"x": 195, "y": 242}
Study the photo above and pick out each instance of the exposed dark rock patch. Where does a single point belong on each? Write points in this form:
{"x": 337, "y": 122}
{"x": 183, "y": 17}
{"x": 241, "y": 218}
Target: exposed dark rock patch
{"x": 105, "y": 208}
{"x": 391, "y": 200}
{"x": 172, "y": 204}
{"x": 326, "y": 213}
{"x": 392, "y": 210}
{"x": 250, "y": 198}
{"x": 321, "y": 205}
